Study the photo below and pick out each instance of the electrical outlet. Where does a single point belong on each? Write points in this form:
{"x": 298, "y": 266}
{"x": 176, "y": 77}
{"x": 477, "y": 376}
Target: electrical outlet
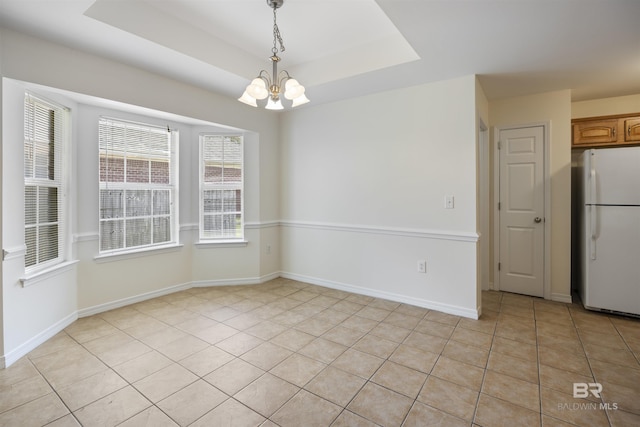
{"x": 422, "y": 266}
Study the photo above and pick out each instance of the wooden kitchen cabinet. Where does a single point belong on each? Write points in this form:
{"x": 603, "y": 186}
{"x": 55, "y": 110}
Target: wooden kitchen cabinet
{"x": 595, "y": 132}
{"x": 606, "y": 131}
{"x": 632, "y": 130}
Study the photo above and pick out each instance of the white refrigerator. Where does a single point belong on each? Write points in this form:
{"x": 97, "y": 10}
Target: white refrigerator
{"x": 610, "y": 225}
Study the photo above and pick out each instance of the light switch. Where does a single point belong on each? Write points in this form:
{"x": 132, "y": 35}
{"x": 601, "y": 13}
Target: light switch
{"x": 448, "y": 202}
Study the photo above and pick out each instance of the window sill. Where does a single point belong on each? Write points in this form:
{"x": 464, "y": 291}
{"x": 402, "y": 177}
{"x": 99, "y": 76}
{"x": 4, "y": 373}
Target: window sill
{"x": 136, "y": 253}
{"x": 47, "y": 273}
{"x": 204, "y": 244}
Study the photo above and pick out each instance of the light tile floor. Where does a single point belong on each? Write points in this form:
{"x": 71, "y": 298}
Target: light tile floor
{"x": 292, "y": 354}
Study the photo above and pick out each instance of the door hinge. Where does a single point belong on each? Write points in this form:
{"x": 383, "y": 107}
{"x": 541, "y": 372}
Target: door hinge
{"x": 499, "y": 145}
{"x": 499, "y": 266}
{"x": 499, "y": 205}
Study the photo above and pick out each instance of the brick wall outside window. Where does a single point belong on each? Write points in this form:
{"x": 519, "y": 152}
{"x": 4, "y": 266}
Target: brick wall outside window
{"x": 136, "y": 190}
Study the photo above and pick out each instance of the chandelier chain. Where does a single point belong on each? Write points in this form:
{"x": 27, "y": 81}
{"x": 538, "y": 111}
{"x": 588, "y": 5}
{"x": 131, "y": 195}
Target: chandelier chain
{"x": 276, "y": 35}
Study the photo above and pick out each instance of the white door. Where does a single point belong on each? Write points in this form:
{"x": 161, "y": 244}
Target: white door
{"x": 521, "y": 210}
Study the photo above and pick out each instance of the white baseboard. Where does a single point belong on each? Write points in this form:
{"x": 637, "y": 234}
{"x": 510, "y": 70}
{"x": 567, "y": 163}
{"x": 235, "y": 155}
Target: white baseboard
{"x": 561, "y": 298}
{"x": 24, "y": 348}
{"x": 90, "y": 311}
{"x": 238, "y": 281}
{"x": 9, "y": 358}
{"x": 432, "y": 305}
{"x": 171, "y": 289}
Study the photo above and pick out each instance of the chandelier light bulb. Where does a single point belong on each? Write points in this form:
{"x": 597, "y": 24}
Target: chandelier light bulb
{"x": 248, "y": 99}
{"x": 293, "y": 89}
{"x": 302, "y": 99}
{"x": 258, "y": 89}
{"x": 274, "y": 104}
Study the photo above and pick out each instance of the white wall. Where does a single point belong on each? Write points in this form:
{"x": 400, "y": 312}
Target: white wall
{"x": 363, "y": 188}
{"x": 555, "y": 108}
{"x": 29, "y": 313}
{"x": 32, "y": 314}
{"x": 483, "y": 191}
{"x": 106, "y": 280}
{"x": 359, "y": 186}
{"x": 2, "y": 363}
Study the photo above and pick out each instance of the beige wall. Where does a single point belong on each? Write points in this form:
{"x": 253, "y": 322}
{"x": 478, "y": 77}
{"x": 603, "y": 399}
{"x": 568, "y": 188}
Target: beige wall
{"x": 606, "y": 106}
{"x": 553, "y": 108}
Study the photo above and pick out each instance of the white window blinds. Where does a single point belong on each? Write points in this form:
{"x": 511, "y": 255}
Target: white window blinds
{"x": 221, "y": 187}
{"x": 137, "y": 185}
{"x": 45, "y": 133}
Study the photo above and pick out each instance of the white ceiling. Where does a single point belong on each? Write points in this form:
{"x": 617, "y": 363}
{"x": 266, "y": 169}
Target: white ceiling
{"x": 345, "y": 48}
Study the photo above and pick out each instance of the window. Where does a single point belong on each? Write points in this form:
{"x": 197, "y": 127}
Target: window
{"x": 138, "y": 170}
{"x": 221, "y": 188}
{"x": 45, "y": 135}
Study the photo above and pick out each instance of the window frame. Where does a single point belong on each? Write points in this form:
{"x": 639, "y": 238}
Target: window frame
{"x": 151, "y": 187}
{"x": 205, "y": 186}
{"x": 61, "y": 143}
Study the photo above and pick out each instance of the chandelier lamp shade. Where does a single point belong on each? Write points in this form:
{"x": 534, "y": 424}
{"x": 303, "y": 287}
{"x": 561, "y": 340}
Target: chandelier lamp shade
{"x": 277, "y": 84}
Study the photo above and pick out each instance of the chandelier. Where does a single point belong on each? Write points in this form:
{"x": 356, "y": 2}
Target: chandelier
{"x": 270, "y": 86}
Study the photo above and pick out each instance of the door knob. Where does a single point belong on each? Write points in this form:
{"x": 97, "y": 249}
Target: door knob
{"x": 538, "y": 219}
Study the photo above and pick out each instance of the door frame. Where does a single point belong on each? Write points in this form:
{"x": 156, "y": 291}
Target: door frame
{"x": 547, "y": 203}
{"x": 484, "y": 206}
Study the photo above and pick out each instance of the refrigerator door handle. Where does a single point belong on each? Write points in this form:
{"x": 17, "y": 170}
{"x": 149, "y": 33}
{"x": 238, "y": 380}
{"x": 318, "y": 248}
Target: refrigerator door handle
{"x": 593, "y": 209}
{"x": 593, "y": 226}
{"x": 592, "y": 186}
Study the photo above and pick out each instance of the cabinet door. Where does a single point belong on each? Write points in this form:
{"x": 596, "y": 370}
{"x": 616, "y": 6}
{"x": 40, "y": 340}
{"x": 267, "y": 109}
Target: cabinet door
{"x": 595, "y": 132}
{"x": 632, "y": 129}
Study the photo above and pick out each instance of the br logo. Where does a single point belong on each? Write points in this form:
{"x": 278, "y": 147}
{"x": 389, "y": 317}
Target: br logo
{"x": 582, "y": 390}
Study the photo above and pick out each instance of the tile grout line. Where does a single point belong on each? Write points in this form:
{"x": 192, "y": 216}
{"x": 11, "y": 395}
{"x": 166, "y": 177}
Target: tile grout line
{"x": 55, "y": 392}
{"x": 535, "y": 324}
{"x": 486, "y": 366}
{"x": 344, "y": 408}
{"x": 237, "y": 296}
{"x": 190, "y": 333}
{"x": 593, "y": 375}
{"x": 128, "y": 383}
